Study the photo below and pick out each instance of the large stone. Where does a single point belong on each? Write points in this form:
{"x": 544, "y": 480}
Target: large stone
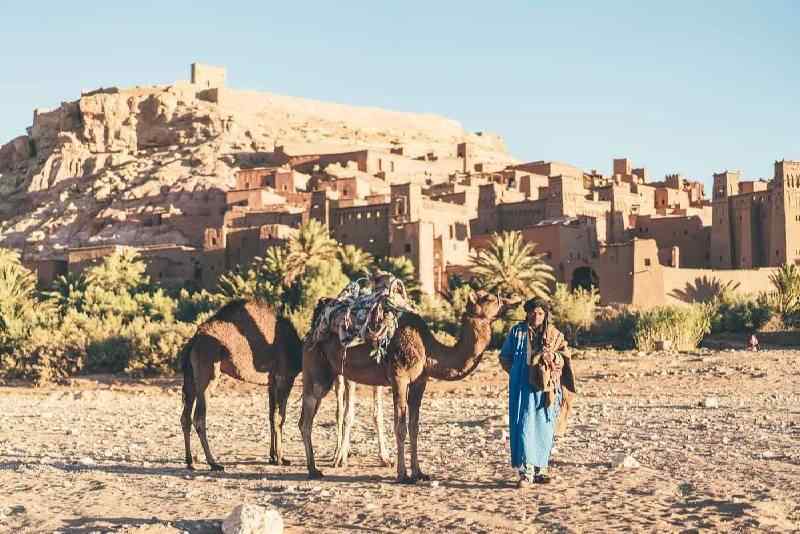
{"x": 253, "y": 519}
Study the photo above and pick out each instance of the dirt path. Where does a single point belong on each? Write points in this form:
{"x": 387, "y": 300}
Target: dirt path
{"x": 105, "y": 455}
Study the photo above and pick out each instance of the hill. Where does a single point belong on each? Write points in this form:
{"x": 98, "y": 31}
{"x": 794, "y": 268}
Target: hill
{"x": 91, "y": 170}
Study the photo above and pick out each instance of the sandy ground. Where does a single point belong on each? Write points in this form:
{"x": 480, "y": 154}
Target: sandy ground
{"x": 105, "y": 455}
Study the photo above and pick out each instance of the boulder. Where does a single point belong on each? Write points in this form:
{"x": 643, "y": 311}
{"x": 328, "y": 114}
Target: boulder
{"x": 253, "y": 519}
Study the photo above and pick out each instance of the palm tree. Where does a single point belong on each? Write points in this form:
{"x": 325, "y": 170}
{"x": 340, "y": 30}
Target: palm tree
{"x": 274, "y": 265}
{"x": 236, "y": 284}
{"x": 9, "y": 257}
{"x": 511, "y": 266}
{"x": 20, "y": 309}
{"x": 68, "y": 290}
{"x": 786, "y": 281}
{"x": 312, "y": 244}
{"x": 356, "y": 262}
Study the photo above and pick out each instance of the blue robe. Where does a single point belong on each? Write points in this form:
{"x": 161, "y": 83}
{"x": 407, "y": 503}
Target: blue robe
{"x": 531, "y": 424}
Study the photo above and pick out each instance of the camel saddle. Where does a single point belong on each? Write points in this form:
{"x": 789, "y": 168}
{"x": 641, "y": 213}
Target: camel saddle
{"x": 360, "y": 315}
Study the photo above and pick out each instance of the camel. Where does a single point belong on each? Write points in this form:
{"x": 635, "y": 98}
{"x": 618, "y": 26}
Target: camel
{"x": 246, "y": 340}
{"x": 413, "y": 357}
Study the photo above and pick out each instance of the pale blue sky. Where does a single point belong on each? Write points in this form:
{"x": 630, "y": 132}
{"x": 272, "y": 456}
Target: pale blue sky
{"x": 693, "y": 87}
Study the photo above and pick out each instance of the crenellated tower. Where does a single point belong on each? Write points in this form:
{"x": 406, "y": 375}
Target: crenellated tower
{"x": 785, "y": 213}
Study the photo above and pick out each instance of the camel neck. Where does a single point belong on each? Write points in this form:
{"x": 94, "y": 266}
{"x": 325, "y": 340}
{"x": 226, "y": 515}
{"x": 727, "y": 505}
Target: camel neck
{"x": 460, "y": 360}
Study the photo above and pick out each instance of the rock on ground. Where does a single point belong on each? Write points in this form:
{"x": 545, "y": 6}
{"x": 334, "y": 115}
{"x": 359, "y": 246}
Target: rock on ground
{"x": 253, "y": 519}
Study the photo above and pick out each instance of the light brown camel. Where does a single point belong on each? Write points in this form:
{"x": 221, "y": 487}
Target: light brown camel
{"x": 345, "y": 414}
{"x": 245, "y": 340}
{"x": 414, "y": 355}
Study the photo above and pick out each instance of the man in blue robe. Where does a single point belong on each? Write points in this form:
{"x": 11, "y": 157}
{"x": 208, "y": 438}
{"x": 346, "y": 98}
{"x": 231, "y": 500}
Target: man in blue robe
{"x": 536, "y": 412}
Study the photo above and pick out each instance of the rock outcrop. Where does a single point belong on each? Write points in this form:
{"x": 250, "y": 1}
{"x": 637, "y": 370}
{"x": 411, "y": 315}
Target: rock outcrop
{"x": 99, "y": 169}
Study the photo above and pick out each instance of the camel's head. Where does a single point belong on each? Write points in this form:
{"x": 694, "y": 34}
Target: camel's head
{"x": 487, "y": 305}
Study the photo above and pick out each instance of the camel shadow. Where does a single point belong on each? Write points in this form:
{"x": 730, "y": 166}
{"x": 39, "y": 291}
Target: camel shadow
{"x": 454, "y": 483}
{"x": 87, "y": 525}
{"x": 277, "y": 475}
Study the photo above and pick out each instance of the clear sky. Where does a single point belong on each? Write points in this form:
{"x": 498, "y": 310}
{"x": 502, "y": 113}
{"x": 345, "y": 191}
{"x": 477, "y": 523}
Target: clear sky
{"x": 690, "y": 87}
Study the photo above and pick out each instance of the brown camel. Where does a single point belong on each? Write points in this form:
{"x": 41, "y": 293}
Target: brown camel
{"x": 245, "y": 339}
{"x": 414, "y": 355}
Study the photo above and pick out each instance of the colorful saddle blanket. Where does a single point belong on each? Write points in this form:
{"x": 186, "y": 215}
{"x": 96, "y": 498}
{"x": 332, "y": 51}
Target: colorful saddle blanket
{"x": 361, "y": 315}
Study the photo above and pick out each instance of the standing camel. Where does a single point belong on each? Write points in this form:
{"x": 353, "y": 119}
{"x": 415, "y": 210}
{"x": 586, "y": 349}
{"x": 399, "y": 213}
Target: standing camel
{"x": 245, "y": 339}
{"x": 414, "y": 355}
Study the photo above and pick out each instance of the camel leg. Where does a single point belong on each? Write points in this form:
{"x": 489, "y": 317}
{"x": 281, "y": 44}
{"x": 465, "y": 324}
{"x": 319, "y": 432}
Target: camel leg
{"x": 202, "y": 380}
{"x": 349, "y": 417}
{"x": 339, "y": 387}
{"x": 280, "y": 387}
{"x": 317, "y": 382}
{"x": 283, "y": 391}
{"x": 272, "y": 403}
{"x": 377, "y": 418}
{"x": 400, "y": 391}
{"x": 414, "y": 404}
{"x": 186, "y": 416}
{"x": 311, "y": 402}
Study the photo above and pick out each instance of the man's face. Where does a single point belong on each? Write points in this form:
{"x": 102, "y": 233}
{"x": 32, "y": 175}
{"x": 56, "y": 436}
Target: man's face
{"x": 536, "y": 316}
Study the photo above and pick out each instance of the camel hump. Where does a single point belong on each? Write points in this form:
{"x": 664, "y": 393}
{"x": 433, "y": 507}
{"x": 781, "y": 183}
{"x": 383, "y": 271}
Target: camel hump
{"x": 248, "y": 334}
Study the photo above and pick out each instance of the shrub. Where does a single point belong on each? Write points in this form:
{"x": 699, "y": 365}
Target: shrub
{"x": 683, "y": 326}
{"x": 155, "y": 346}
{"x": 191, "y": 307}
{"x": 574, "y": 311}
{"x": 48, "y": 353}
{"x": 741, "y": 314}
{"x": 613, "y": 324}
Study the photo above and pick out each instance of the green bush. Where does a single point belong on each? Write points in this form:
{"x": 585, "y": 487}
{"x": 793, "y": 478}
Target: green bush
{"x": 741, "y": 314}
{"x": 682, "y": 326}
{"x": 613, "y": 325}
{"x": 155, "y": 346}
{"x": 192, "y": 307}
{"x": 574, "y": 311}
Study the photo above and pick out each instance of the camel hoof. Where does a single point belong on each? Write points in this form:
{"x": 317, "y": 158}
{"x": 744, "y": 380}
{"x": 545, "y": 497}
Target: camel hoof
{"x": 284, "y": 461}
{"x": 272, "y": 461}
{"x": 315, "y": 474}
{"x": 217, "y": 467}
{"x": 422, "y": 476}
{"x": 386, "y": 462}
{"x": 406, "y": 480}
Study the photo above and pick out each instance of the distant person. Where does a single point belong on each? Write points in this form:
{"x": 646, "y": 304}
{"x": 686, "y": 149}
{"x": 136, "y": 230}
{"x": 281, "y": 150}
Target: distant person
{"x": 752, "y": 344}
{"x": 535, "y": 356}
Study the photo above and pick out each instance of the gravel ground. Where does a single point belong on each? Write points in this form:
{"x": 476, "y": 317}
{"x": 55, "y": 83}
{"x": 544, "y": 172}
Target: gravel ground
{"x": 716, "y": 436}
